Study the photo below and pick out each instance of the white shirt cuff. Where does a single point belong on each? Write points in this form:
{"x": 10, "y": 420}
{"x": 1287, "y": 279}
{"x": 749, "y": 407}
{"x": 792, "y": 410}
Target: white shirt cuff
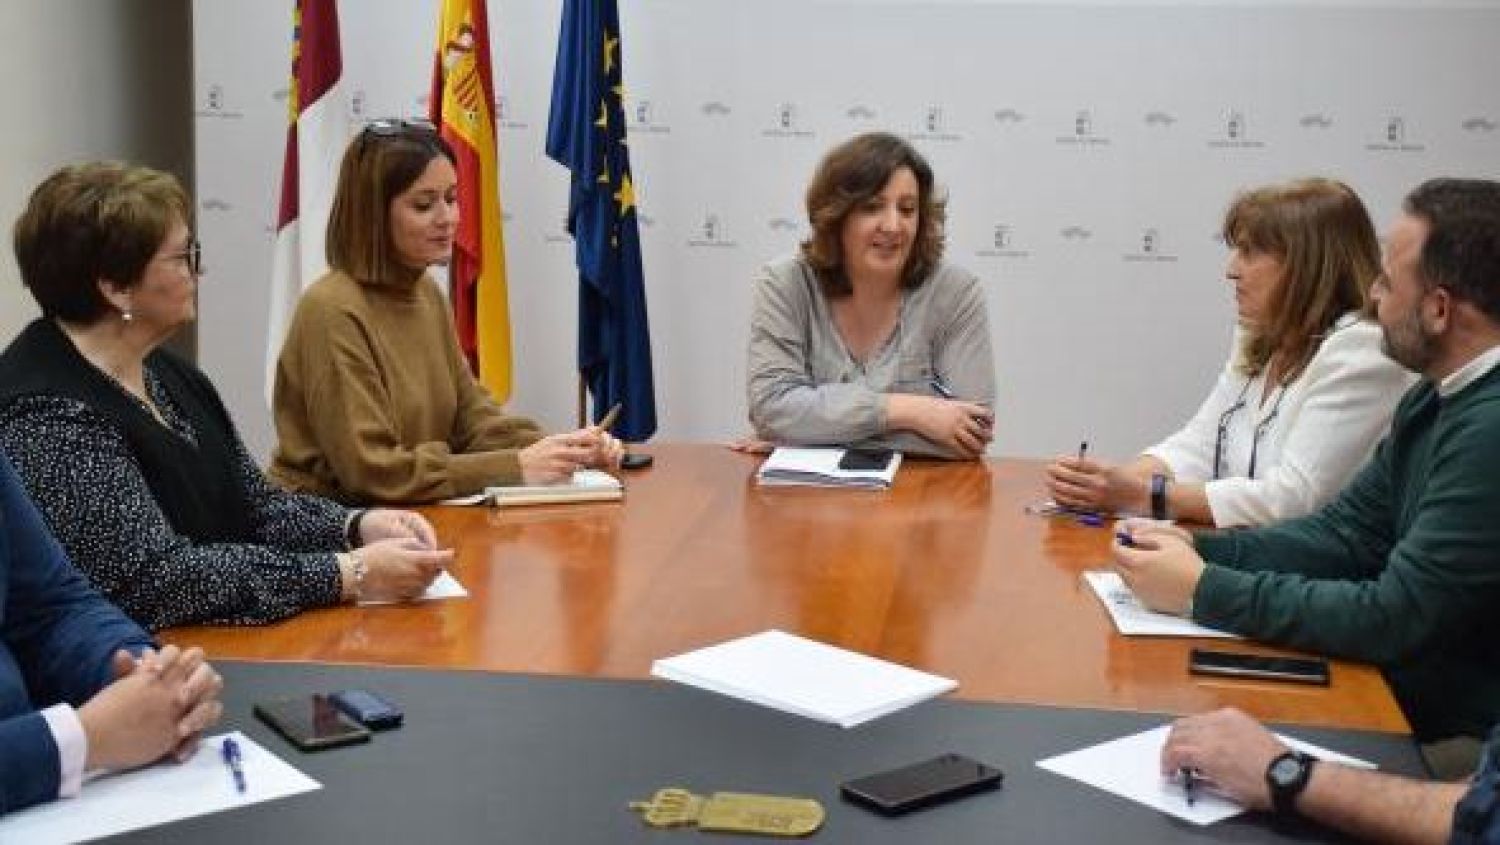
{"x": 72, "y": 747}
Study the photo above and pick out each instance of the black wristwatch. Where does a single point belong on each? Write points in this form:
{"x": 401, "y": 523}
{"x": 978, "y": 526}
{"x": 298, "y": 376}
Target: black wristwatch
{"x": 1158, "y": 496}
{"x": 1287, "y": 776}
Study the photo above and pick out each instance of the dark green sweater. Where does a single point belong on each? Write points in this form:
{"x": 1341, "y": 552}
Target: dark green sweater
{"x": 1401, "y": 570}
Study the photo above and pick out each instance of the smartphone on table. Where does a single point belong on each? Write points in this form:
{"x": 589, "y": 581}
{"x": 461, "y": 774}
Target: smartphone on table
{"x": 866, "y": 459}
{"x": 1302, "y": 670}
{"x": 311, "y": 722}
{"x": 924, "y": 784}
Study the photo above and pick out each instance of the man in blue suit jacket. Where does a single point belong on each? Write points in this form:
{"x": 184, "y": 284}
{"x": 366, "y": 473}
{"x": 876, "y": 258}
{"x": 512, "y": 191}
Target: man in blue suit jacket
{"x": 63, "y": 646}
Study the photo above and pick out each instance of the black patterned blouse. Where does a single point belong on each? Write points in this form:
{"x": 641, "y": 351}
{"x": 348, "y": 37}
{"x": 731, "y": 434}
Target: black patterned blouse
{"x": 82, "y": 475}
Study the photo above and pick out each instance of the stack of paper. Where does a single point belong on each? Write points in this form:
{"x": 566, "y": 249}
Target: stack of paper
{"x": 1133, "y": 619}
{"x": 586, "y": 485}
{"x": 800, "y": 467}
{"x": 804, "y": 677}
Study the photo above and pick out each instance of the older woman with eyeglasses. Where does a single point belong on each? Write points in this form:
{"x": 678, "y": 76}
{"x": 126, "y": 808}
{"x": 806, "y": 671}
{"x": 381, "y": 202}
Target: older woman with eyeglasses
{"x": 1306, "y": 392}
{"x": 127, "y": 449}
{"x": 374, "y": 401}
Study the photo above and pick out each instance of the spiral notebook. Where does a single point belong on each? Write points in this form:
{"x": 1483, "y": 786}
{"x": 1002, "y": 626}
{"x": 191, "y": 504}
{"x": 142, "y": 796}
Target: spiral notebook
{"x": 587, "y": 485}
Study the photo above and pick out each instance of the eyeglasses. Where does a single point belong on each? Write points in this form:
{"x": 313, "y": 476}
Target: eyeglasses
{"x": 1260, "y": 429}
{"x": 191, "y": 257}
{"x": 416, "y": 129}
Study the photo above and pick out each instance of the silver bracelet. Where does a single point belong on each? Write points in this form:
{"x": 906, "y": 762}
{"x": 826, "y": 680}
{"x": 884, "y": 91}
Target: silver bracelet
{"x": 358, "y": 569}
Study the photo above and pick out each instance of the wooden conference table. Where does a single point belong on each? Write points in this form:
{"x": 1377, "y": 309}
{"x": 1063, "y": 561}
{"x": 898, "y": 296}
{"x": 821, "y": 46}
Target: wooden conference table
{"x": 946, "y": 572}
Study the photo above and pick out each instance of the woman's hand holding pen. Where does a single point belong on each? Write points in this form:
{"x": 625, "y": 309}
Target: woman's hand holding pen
{"x": 1085, "y": 484}
{"x": 964, "y": 428}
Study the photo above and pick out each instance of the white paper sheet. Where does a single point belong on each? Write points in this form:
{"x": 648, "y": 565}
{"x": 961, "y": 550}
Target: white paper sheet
{"x": 804, "y": 677}
{"x": 1133, "y": 619}
{"x": 586, "y": 485}
{"x": 1131, "y": 768}
{"x": 445, "y": 586}
{"x": 159, "y": 794}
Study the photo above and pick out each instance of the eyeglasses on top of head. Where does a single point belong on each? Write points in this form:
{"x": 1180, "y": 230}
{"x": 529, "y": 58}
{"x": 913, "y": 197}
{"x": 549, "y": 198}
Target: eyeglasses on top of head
{"x": 395, "y": 127}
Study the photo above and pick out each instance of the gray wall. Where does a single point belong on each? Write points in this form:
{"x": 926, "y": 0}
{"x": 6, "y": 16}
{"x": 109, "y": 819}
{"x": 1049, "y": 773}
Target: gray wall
{"x": 87, "y": 79}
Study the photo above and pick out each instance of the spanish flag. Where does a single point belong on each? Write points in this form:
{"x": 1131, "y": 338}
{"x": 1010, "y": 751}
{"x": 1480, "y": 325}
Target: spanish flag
{"x": 462, "y": 108}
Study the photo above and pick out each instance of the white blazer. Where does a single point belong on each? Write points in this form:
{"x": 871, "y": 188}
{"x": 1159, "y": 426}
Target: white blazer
{"x": 1306, "y": 440}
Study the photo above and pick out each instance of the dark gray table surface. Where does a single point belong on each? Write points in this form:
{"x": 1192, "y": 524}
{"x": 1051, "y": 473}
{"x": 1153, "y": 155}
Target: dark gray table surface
{"x": 487, "y": 757}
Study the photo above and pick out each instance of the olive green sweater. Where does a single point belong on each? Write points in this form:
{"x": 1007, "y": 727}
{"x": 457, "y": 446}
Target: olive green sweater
{"x": 375, "y": 403}
{"x": 1401, "y": 570}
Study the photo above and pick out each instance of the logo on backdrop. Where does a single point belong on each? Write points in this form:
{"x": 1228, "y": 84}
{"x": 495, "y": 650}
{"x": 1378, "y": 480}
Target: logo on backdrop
{"x": 507, "y": 116}
{"x": 1235, "y": 133}
{"x": 1076, "y": 233}
{"x": 1394, "y": 136}
{"x": 1160, "y": 118}
{"x": 712, "y": 231}
{"x": 1149, "y": 248}
{"x": 1083, "y": 132}
{"x": 859, "y": 111}
{"x": 1316, "y": 121}
{"x": 215, "y": 103}
{"x": 933, "y": 125}
{"x": 787, "y": 122}
{"x": 645, "y": 116}
{"x": 785, "y": 226}
{"x": 714, "y": 108}
{"x": 359, "y": 104}
{"x": 1477, "y": 125}
{"x": 1008, "y": 117}
{"x": 1003, "y": 244}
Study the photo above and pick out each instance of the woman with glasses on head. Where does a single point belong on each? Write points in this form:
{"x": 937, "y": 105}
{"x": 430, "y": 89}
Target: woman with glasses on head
{"x": 127, "y": 449}
{"x": 866, "y": 337}
{"x": 374, "y": 401}
{"x": 1306, "y": 392}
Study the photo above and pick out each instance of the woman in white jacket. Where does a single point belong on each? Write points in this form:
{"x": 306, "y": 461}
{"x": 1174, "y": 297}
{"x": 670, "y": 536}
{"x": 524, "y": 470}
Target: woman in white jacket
{"x": 1306, "y": 393}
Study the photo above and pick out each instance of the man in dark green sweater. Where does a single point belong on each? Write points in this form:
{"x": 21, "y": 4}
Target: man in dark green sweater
{"x": 1403, "y": 568}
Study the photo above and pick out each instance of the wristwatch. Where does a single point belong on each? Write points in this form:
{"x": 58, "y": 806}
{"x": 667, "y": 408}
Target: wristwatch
{"x": 1287, "y": 776}
{"x": 1158, "y": 496}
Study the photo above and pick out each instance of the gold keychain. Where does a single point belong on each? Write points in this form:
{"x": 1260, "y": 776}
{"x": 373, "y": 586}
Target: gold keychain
{"x": 731, "y": 812}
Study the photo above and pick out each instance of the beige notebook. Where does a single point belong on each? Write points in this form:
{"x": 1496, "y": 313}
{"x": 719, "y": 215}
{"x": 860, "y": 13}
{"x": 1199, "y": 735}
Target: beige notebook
{"x": 587, "y": 485}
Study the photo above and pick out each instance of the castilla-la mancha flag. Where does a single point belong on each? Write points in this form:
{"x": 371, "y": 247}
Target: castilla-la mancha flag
{"x": 316, "y": 134}
{"x": 462, "y": 109}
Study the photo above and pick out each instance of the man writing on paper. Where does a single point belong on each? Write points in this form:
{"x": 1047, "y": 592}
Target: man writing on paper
{"x": 1234, "y": 753}
{"x": 63, "y": 646}
{"x": 1401, "y": 568}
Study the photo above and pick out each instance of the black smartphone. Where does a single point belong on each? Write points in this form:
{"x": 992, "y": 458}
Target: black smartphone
{"x": 922, "y": 784}
{"x": 368, "y": 709}
{"x": 312, "y": 723}
{"x": 876, "y": 459}
{"x": 635, "y": 460}
{"x": 1302, "y": 670}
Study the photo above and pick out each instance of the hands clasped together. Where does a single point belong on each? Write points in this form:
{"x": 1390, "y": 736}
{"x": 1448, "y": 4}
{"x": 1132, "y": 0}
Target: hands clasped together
{"x": 400, "y": 553}
{"x": 158, "y": 705}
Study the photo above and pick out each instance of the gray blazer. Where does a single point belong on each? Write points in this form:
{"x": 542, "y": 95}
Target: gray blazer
{"x": 804, "y": 387}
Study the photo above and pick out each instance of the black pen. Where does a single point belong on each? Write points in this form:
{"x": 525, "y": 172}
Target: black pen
{"x": 1189, "y": 784}
{"x": 235, "y": 762}
{"x": 1083, "y": 451}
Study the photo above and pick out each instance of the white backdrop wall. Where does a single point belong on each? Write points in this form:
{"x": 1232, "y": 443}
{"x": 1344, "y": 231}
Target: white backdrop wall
{"x": 1089, "y": 151}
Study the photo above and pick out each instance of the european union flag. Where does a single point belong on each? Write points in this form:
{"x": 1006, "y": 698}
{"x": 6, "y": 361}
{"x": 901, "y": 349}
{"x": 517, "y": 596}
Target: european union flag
{"x": 586, "y": 134}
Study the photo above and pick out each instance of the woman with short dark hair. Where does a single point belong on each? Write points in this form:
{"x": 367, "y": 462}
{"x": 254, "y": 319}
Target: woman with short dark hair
{"x": 128, "y": 450}
{"x": 374, "y": 401}
{"x": 867, "y": 337}
{"x": 1306, "y": 392}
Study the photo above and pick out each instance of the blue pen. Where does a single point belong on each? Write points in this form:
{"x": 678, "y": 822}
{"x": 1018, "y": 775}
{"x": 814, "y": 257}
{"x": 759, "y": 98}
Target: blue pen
{"x": 232, "y": 759}
{"x": 941, "y": 388}
{"x": 1189, "y": 784}
{"x": 1125, "y": 539}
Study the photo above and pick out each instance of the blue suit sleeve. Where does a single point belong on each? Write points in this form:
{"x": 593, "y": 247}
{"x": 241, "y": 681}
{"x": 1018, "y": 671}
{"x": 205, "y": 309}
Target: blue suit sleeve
{"x": 29, "y": 763}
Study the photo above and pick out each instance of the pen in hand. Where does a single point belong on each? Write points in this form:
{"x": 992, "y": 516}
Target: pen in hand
{"x": 941, "y": 388}
{"x": 235, "y": 762}
{"x": 610, "y": 416}
{"x": 1189, "y": 784}
{"x": 1083, "y": 451}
